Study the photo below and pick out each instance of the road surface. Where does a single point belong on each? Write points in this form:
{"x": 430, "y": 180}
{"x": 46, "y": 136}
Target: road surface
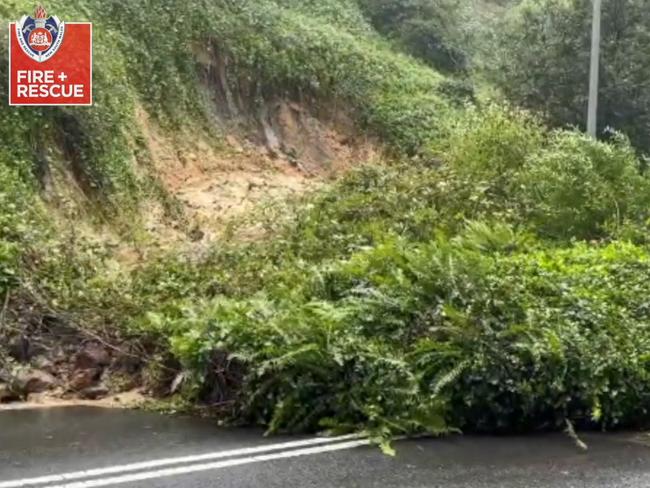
{"x": 92, "y": 447}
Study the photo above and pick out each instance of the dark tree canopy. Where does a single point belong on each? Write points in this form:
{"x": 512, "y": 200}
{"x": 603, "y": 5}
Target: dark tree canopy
{"x": 542, "y": 63}
{"x": 427, "y": 29}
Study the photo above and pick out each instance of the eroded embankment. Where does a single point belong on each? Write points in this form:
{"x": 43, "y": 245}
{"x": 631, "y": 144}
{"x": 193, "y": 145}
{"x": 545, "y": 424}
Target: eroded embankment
{"x": 279, "y": 149}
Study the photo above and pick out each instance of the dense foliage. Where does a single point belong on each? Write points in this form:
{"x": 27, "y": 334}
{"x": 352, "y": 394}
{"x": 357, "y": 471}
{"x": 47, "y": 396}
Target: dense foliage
{"x": 474, "y": 295}
{"x": 429, "y": 30}
{"x": 474, "y": 333}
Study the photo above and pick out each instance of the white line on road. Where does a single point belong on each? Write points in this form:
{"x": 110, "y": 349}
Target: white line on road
{"x": 196, "y": 468}
{"x": 157, "y": 463}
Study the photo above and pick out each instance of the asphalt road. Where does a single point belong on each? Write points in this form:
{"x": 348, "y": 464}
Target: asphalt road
{"x": 56, "y": 448}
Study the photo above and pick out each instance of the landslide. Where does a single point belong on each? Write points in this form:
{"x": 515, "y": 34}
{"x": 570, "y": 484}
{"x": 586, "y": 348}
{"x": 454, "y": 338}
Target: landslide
{"x": 467, "y": 269}
{"x": 205, "y": 114}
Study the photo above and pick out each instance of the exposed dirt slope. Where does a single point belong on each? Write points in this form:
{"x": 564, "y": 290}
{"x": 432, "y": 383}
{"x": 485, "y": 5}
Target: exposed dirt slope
{"x": 292, "y": 152}
{"x": 288, "y": 150}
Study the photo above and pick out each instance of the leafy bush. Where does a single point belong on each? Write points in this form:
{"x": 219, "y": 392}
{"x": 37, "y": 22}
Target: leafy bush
{"x": 578, "y": 188}
{"x": 411, "y": 337}
{"x": 502, "y": 164}
{"x": 485, "y": 151}
{"x": 8, "y": 266}
{"x": 18, "y": 223}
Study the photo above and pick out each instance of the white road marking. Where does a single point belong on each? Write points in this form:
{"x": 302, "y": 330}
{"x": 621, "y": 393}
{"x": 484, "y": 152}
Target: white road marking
{"x": 157, "y": 463}
{"x": 195, "y": 468}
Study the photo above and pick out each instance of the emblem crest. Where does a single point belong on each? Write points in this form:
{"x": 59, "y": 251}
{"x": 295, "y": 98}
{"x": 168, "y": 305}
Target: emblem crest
{"x": 40, "y": 36}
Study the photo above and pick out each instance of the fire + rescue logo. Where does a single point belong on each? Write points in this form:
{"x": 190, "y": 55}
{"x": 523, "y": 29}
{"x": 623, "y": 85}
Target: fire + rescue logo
{"x": 40, "y": 36}
{"x": 50, "y": 61}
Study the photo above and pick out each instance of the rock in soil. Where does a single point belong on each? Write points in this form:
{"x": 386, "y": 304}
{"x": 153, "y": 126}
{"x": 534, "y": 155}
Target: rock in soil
{"x": 92, "y": 356}
{"x": 127, "y": 364}
{"x": 44, "y": 364}
{"x": 84, "y": 378}
{"x": 94, "y": 392}
{"x": 6, "y": 395}
{"x": 33, "y": 381}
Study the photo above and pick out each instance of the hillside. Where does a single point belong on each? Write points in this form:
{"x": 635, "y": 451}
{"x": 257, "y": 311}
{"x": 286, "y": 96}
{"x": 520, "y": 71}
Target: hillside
{"x": 238, "y": 107}
{"x": 285, "y": 213}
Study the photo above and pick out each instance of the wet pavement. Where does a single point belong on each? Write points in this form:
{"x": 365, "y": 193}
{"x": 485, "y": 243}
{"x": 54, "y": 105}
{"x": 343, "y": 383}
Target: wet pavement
{"x": 50, "y": 442}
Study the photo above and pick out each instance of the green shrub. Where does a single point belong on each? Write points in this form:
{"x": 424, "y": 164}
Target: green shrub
{"x": 19, "y": 224}
{"x": 484, "y": 153}
{"x": 576, "y": 187}
{"x": 8, "y": 266}
{"x": 500, "y": 163}
{"x": 555, "y": 335}
{"x": 407, "y": 337}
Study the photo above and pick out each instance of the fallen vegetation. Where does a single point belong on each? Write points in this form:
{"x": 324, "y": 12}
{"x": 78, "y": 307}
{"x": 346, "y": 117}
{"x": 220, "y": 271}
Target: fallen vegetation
{"x": 472, "y": 295}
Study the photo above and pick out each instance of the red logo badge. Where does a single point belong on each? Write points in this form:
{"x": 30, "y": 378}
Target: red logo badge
{"x": 50, "y": 61}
